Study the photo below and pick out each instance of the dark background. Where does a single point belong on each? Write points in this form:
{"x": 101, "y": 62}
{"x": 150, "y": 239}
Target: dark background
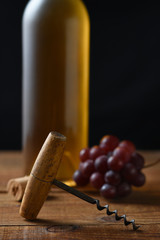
{"x": 124, "y": 72}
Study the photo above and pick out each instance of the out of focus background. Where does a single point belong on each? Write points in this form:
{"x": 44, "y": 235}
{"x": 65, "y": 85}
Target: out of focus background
{"x": 124, "y": 72}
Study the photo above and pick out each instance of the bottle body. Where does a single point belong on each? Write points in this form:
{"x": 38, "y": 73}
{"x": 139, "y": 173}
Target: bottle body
{"x": 55, "y": 78}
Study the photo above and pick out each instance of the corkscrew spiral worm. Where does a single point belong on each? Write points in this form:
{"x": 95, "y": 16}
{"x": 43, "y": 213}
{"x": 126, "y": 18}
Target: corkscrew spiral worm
{"x": 108, "y": 212}
{"x": 91, "y": 200}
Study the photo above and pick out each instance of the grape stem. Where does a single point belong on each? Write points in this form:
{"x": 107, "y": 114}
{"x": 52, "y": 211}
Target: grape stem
{"x": 152, "y": 164}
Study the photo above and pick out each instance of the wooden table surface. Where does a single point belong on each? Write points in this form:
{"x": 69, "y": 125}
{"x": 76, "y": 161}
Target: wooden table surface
{"x": 64, "y": 216}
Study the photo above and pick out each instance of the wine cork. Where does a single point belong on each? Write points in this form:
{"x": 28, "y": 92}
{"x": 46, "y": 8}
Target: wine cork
{"x": 16, "y": 187}
{"x": 42, "y": 175}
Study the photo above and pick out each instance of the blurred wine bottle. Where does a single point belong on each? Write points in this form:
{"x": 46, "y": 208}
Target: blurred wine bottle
{"x": 56, "y": 35}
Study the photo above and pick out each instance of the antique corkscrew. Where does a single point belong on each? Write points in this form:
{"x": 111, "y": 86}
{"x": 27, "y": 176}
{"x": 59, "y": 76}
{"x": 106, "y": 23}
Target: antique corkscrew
{"x": 43, "y": 176}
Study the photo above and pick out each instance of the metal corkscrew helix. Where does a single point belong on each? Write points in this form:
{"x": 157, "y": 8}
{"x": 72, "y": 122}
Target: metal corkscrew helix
{"x": 94, "y": 201}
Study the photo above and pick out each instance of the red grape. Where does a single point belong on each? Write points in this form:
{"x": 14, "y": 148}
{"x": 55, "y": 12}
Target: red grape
{"x": 87, "y": 168}
{"x": 108, "y": 191}
{"x": 122, "y": 153}
{"x": 97, "y": 180}
{"x": 139, "y": 180}
{"x": 80, "y": 165}
{"x": 123, "y": 189}
{"x": 109, "y": 143}
{"x": 129, "y": 172}
{"x": 95, "y": 152}
{"x": 104, "y": 147}
{"x": 127, "y": 144}
{"x": 109, "y": 154}
{"x": 137, "y": 160}
{"x": 115, "y": 163}
{"x": 80, "y": 179}
{"x": 101, "y": 164}
{"x": 112, "y": 177}
{"x": 84, "y": 154}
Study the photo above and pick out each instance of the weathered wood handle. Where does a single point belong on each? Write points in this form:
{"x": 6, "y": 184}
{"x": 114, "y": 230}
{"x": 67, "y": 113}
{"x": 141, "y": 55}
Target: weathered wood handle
{"x": 42, "y": 175}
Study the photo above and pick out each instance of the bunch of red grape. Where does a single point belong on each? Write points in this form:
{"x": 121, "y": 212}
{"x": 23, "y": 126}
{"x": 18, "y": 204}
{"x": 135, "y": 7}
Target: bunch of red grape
{"x": 112, "y": 167}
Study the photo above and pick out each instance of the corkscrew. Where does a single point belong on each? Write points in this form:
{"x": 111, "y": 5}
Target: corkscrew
{"x": 43, "y": 176}
{"x": 91, "y": 200}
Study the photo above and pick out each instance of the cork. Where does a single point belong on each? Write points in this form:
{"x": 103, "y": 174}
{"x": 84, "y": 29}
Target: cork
{"x": 42, "y": 175}
{"x": 16, "y": 187}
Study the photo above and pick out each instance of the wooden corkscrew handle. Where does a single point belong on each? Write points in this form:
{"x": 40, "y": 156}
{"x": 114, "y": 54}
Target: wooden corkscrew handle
{"x": 42, "y": 175}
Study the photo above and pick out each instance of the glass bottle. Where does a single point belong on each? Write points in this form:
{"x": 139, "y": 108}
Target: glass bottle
{"x": 55, "y": 78}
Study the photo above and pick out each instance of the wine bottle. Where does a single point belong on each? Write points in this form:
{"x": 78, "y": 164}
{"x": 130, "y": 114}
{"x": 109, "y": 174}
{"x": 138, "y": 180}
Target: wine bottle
{"x": 55, "y": 84}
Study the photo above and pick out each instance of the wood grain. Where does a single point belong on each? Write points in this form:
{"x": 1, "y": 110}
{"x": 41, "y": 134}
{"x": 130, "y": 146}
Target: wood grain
{"x": 64, "y": 216}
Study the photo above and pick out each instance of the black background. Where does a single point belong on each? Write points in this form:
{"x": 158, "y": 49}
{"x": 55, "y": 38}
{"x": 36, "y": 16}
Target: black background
{"x": 124, "y": 72}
